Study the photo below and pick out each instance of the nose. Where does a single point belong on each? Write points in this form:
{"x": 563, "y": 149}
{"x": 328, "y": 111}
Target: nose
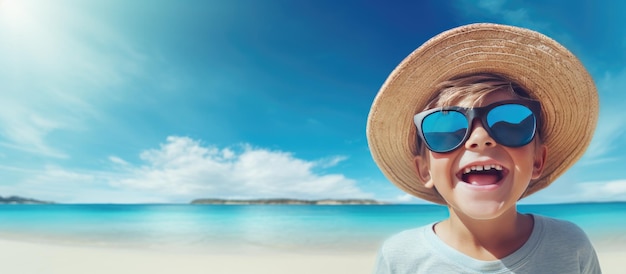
{"x": 479, "y": 138}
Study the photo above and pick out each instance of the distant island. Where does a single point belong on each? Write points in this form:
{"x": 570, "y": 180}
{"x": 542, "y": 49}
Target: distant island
{"x": 21, "y": 200}
{"x": 286, "y": 202}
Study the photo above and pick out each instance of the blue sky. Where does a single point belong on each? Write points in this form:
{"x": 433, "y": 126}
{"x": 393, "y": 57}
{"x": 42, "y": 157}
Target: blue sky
{"x": 166, "y": 101}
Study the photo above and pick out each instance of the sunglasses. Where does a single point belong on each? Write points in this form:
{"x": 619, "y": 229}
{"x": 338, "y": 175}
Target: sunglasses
{"x": 512, "y": 123}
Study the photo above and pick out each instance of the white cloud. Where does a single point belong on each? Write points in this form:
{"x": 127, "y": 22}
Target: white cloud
{"x": 26, "y": 131}
{"x": 76, "y": 190}
{"x": 118, "y": 160}
{"x": 184, "y": 169}
{"x": 569, "y": 192}
{"x": 330, "y": 162}
{"x": 602, "y": 191}
{"x": 406, "y": 198}
{"x": 52, "y": 183}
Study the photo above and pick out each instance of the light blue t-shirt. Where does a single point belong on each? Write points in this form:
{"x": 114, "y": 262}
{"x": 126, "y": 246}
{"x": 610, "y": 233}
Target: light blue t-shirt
{"x": 554, "y": 246}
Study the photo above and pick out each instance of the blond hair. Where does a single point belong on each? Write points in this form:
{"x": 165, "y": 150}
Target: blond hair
{"x": 469, "y": 89}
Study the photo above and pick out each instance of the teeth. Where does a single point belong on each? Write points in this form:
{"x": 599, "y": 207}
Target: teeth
{"x": 480, "y": 168}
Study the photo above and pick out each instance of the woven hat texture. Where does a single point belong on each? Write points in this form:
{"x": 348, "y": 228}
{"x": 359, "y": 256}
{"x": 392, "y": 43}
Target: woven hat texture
{"x": 542, "y": 66}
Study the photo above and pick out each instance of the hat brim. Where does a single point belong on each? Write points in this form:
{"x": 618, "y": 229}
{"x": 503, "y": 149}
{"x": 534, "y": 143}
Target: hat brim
{"x": 543, "y": 67}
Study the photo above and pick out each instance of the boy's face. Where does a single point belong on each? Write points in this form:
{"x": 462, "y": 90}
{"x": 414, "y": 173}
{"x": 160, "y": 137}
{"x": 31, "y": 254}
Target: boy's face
{"x": 482, "y": 194}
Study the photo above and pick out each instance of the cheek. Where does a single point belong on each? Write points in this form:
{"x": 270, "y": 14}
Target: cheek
{"x": 524, "y": 159}
{"x": 441, "y": 167}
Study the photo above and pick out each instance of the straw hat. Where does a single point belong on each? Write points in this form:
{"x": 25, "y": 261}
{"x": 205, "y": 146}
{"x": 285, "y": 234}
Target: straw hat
{"x": 543, "y": 67}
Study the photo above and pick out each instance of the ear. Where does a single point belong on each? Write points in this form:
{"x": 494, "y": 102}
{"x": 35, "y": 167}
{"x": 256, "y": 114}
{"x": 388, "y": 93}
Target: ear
{"x": 539, "y": 161}
{"x": 423, "y": 170}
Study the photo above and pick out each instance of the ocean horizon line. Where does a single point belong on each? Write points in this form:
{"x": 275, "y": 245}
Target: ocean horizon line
{"x": 383, "y": 203}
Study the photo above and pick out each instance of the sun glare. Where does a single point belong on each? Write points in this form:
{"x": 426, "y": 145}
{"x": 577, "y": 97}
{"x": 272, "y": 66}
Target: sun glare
{"x": 11, "y": 12}
{"x": 15, "y": 14}
{"x": 25, "y": 31}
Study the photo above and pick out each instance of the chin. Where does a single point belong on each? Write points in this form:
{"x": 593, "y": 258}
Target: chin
{"x": 483, "y": 210}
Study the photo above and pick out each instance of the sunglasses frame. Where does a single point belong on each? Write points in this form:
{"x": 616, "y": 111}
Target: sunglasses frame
{"x": 478, "y": 113}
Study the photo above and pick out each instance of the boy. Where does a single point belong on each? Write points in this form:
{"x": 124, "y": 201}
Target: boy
{"x": 477, "y": 118}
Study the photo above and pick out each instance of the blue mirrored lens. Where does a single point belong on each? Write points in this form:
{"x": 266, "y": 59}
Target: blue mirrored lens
{"x": 444, "y": 130}
{"x": 512, "y": 125}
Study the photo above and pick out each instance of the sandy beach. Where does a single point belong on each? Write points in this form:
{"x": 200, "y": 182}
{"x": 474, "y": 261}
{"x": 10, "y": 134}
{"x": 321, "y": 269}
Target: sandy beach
{"x": 37, "y": 258}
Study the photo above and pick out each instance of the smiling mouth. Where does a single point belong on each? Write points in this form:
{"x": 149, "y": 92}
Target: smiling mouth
{"x": 481, "y": 175}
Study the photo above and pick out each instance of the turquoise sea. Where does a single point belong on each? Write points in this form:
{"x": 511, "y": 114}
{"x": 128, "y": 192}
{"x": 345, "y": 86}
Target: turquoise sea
{"x": 241, "y": 228}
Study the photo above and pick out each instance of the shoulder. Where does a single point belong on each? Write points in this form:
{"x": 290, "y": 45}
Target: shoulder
{"x": 405, "y": 248}
{"x": 405, "y": 240}
{"x": 563, "y": 244}
{"x": 560, "y": 229}
{"x": 563, "y": 236}
{"x": 413, "y": 251}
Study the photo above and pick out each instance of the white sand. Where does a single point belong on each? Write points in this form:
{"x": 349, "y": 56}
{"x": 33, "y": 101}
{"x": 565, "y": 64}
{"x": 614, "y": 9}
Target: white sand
{"x": 36, "y": 258}
{"x": 612, "y": 262}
